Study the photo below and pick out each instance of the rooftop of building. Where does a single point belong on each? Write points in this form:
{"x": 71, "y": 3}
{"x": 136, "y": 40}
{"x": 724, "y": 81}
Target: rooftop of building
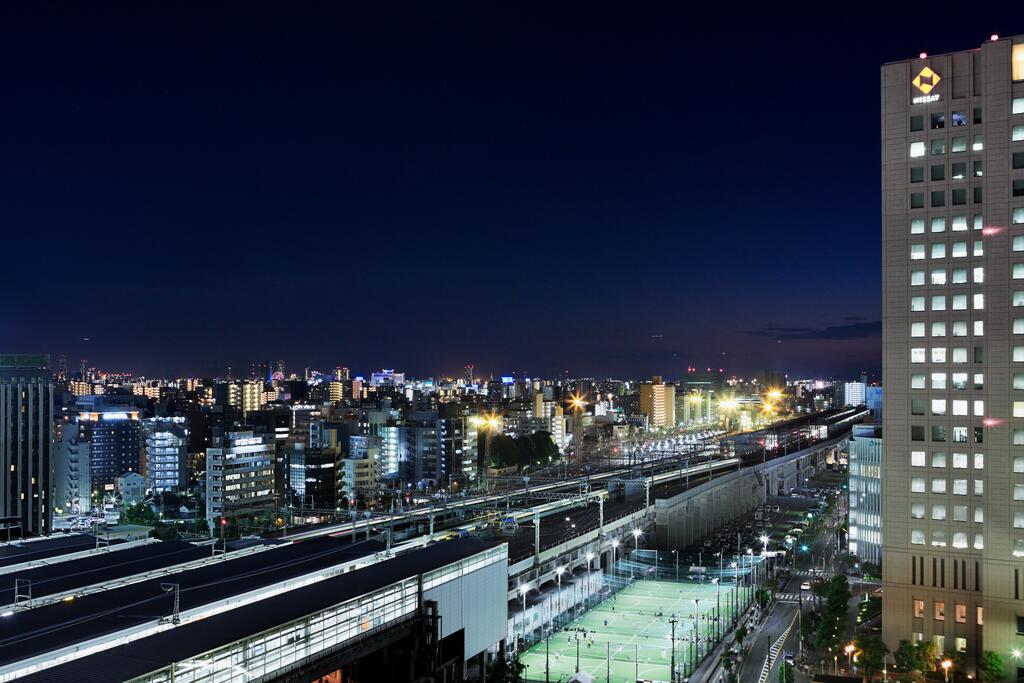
{"x": 194, "y": 638}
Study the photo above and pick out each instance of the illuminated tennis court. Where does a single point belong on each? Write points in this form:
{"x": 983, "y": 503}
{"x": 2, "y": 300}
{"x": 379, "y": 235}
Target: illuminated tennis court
{"x": 630, "y": 634}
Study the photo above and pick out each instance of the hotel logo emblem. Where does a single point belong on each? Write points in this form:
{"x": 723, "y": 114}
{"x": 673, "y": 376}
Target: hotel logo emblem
{"x": 926, "y": 80}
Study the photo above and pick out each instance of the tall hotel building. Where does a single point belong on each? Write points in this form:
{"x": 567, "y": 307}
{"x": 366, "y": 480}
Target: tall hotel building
{"x": 953, "y": 351}
{"x": 26, "y": 444}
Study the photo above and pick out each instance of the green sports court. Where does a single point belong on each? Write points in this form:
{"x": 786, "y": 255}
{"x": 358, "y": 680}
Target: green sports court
{"x": 629, "y": 633}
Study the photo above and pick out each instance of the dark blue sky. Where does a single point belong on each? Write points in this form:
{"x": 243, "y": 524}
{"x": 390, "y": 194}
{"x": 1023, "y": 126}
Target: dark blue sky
{"x": 607, "y": 190}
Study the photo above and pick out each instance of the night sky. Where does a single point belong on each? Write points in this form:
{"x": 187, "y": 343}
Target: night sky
{"x": 603, "y": 191}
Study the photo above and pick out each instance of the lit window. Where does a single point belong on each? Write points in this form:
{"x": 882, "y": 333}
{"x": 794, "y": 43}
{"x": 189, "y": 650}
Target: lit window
{"x": 917, "y": 149}
{"x": 959, "y": 487}
{"x": 938, "y": 406}
{"x": 917, "y": 459}
{"x": 1017, "y": 134}
{"x": 1018, "y": 408}
{"x": 979, "y": 221}
{"x": 938, "y": 329}
{"x": 1018, "y": 63}
{"x": 918, "y": 355}
{"x": 978, "y": 143}
{"x": 916, "y": 278}
{"x": 917, "y": 537}
{"x": 1018, "y": 218}
{"x": 917, "y": 303}
{"x": 960, "y": 409}
{"x": 916, "y": 226}
{"x": 939, "y": 486}
{"x": 979, "y": 487}
{"x": 959, "y": 223}
{"x": 938, "y": 275}
{"x": 959, "y": 381}
{"x": 1018, "y": 520}
{"x": 979, "y": 274}
{"x": 938, "y": 147}
{"x": 917, "y": 485}
{"x": 917, "y": 381}
{"x": 917, "y": 252}
{"x": 939, "y": 538}
{"x": 917, "y": 511}
{"x": 959, "y": 513}
{"x": 938, "y": 512}
{"x": 979, "y": 542}
{"x": 1017, "y": 105}
{"x": 916, "y": 329}
{"x": 959, "y": 302}
{"x": 958, "y": 249}
{"x": 938, "y": 121}
{"x": 979, "y": 461}
{"x": 938, "y": 251}
{"x": 959, "y": 539}
{"x": 918, "y": 609}
{"x": 957, "y": 144}
{"x": 979, "y": 515}
{"x": 939, "y": 224}
{"x": 1018, "y": 464}
{"x": 939, "y": 354}
{"x": 959, "y": 118}
{"x": 979, "y": 248}
{"x": 979, "y": 302}
{"x": 939, "y": 302}
{"x": 938, "y": 380}
{"x": 1018, "y": 354}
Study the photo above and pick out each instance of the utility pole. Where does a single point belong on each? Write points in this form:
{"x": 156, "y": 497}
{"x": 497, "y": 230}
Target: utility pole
{"x": 672, "y": 673}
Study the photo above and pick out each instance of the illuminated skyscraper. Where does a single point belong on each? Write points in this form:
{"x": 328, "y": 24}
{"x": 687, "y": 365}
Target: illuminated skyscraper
{"x": 26, "y": 442}
{"x": 953, "y": 351}
{"x": 658, "y": 403}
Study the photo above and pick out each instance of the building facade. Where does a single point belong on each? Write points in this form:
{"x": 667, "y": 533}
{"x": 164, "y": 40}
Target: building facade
{"x": 239, "y": 474}
{"x": 865, "y": 493}
{"x": 26, "y": 442}
{"x": 166, "y": 458}
{"x": 953, "y": 351}
{"x": 658, "y": 403}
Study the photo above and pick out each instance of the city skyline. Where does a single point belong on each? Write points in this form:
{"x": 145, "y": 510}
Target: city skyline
{"x": 296, "y": 165}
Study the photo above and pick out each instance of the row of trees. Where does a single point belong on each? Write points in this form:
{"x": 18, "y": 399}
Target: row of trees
{"x": 534, "y": 449}
{"x": 923, "y": 657}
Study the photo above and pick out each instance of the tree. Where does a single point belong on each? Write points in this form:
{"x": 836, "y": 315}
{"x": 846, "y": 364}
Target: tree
{"x": 991, "y": 666}
{"x": 906, "y": 657}
{"x": 741, "y": 633}
{"x": 786, "y": 673}
{"x": 872, "y": 652}
{"x": 504, "y": 670}
{"x": 927, "y": 655}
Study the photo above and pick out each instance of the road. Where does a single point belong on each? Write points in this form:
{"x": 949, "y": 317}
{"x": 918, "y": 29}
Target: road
{"x": 779, "y": 618}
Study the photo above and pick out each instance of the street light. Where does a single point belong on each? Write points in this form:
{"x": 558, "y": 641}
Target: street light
{"x": 946, "y": 665}
{"x": 849, "y": 654}
{"x": 615, "y": 545}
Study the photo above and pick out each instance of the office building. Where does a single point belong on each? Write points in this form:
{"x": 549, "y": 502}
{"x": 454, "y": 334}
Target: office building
{"x": 26, "y": 426}
{"x": 111, "y": 426}
{"x": 166, "y": 453}
{"x": 658, "y": 403}
{"x": 953, "y": 351}
{"x": 864, "y": 460}
{"x": 239, "y": 474}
